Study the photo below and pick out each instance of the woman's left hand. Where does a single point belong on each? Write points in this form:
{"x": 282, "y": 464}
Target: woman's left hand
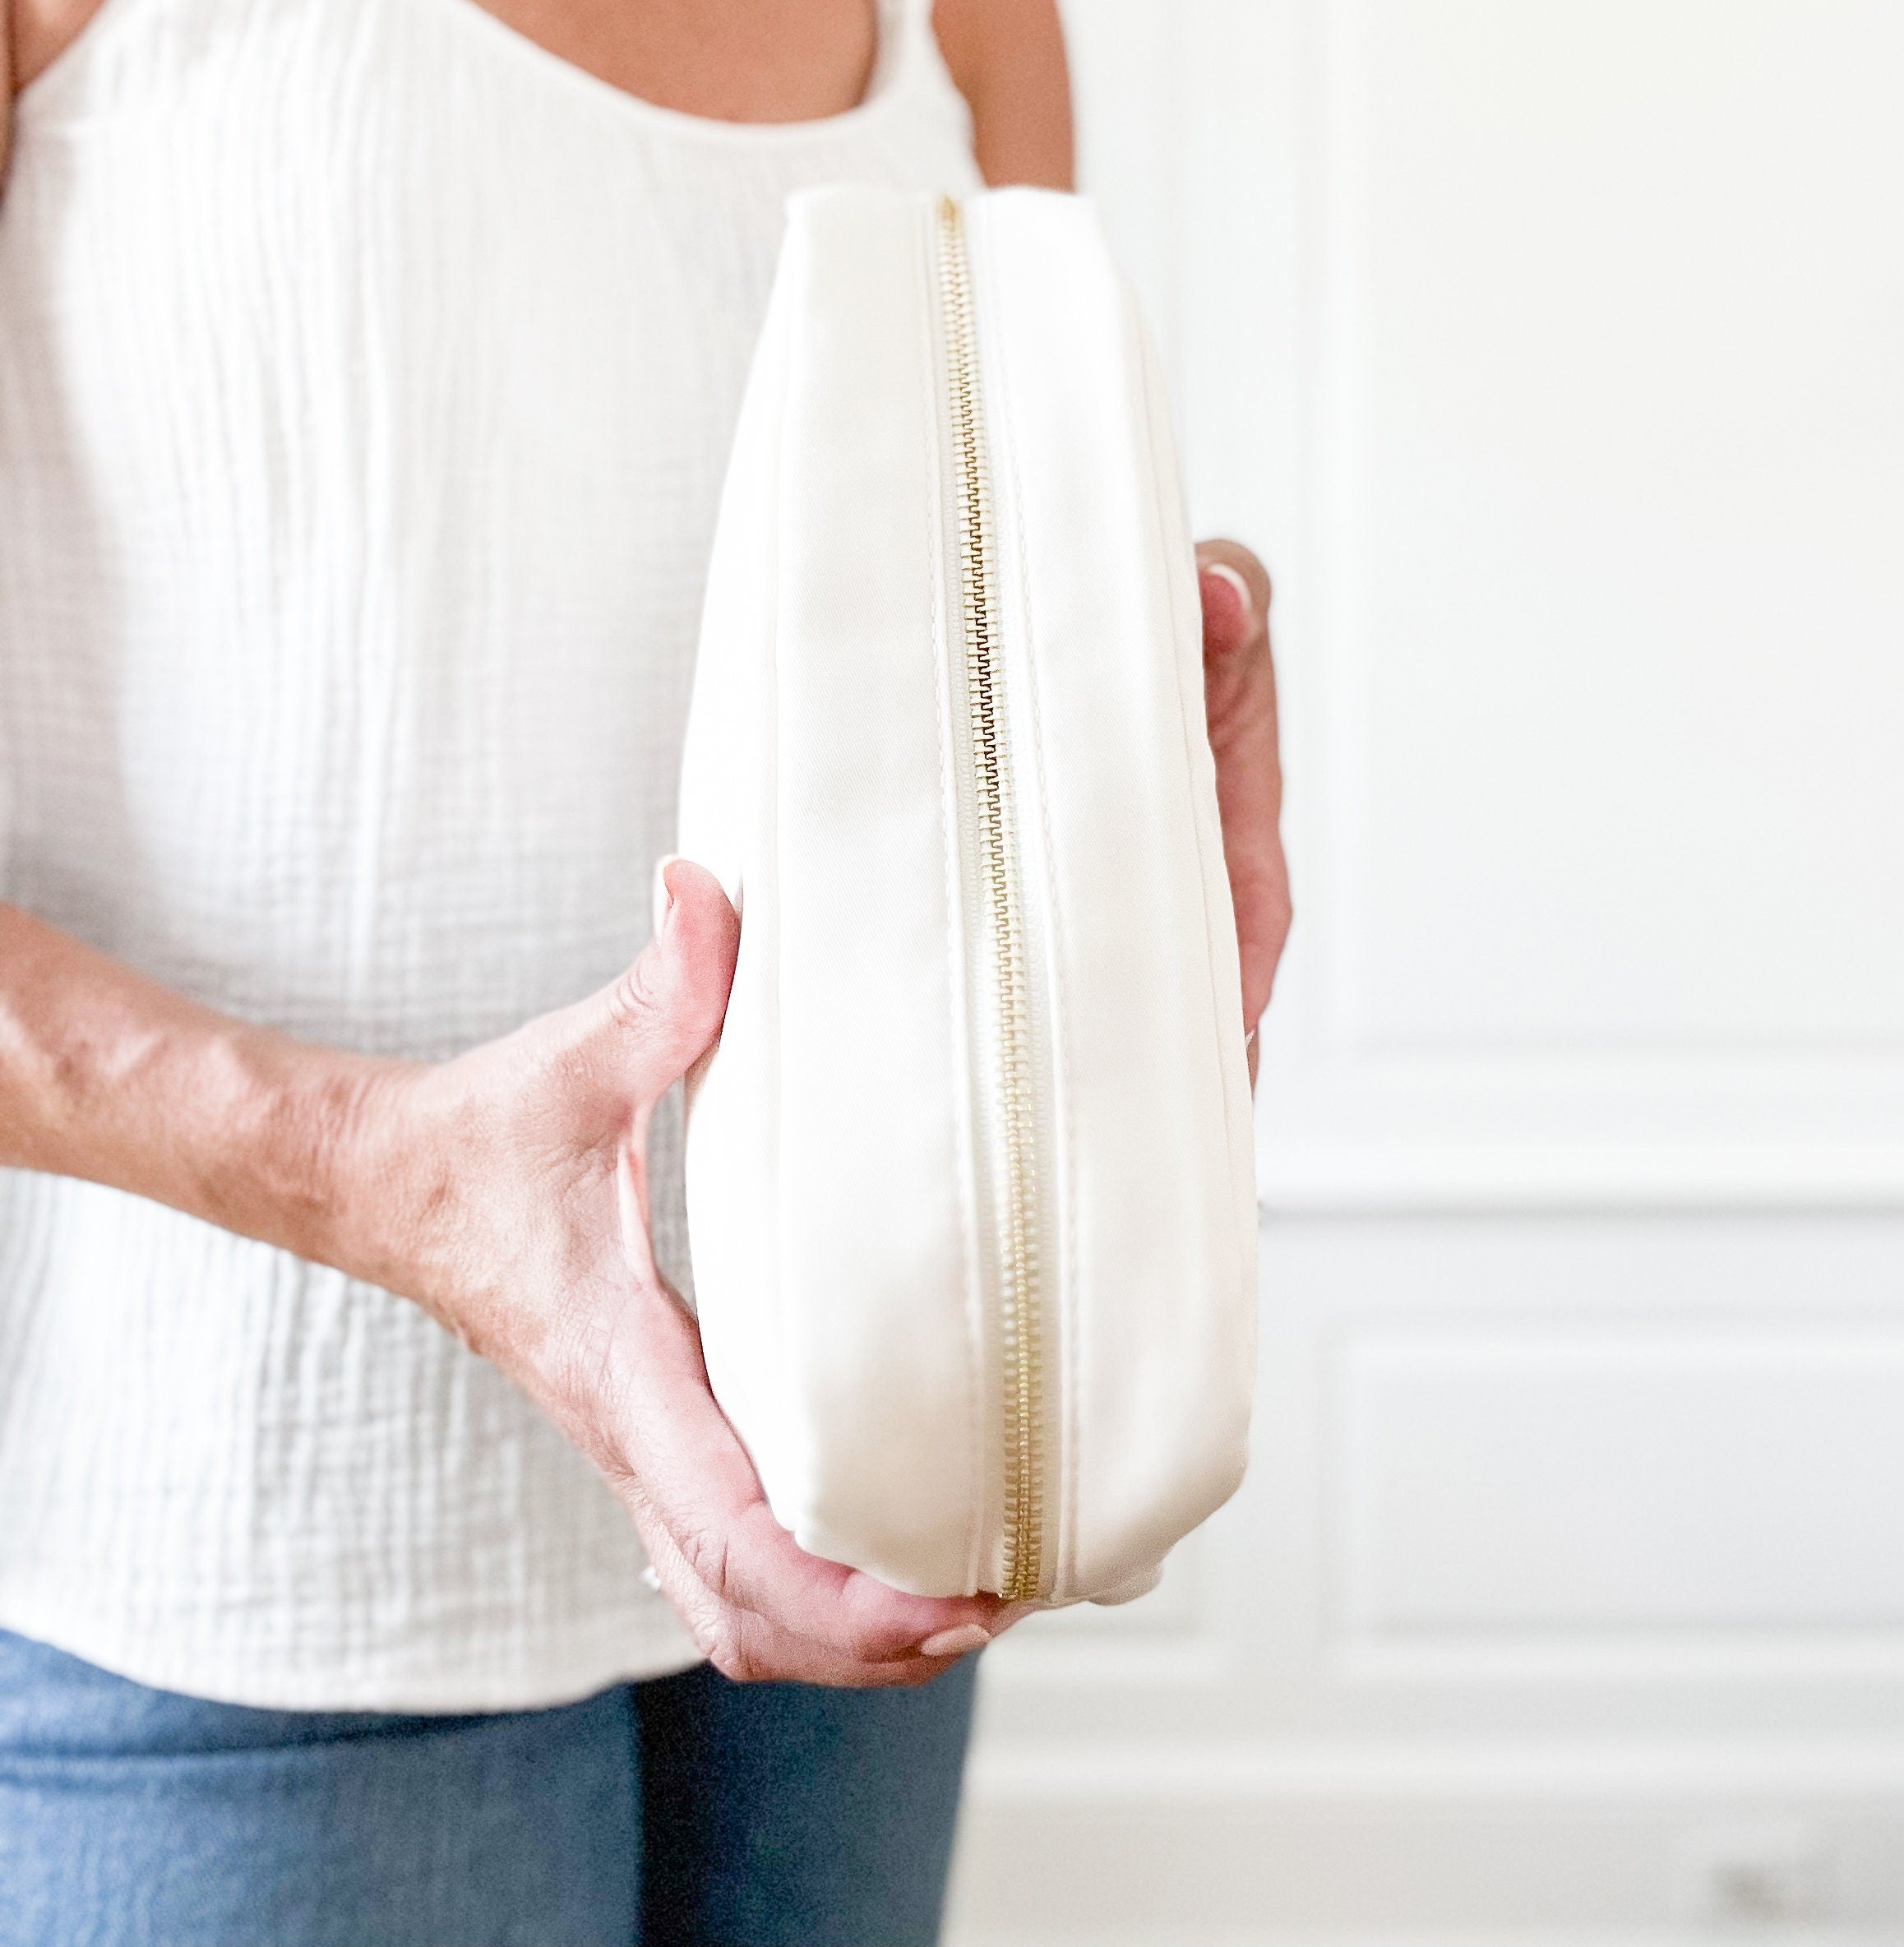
{"x": 1240, "y": 697}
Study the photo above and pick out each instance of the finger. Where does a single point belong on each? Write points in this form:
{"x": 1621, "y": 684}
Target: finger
{"x": 1235, "y": 587}
{"x": 758, "y": 1653}
{"x": 1240, "y": 698}
{"x": 749, "y": 1649}
{"x": 709, "y": 1497}
{"x": 697, "y": 1479}
{"x": 1259, "y": 892}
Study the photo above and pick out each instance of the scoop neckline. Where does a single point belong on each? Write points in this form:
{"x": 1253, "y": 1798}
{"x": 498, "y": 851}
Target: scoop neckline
{"x": 67, "y": 57}
{"x": 892, "y": 57}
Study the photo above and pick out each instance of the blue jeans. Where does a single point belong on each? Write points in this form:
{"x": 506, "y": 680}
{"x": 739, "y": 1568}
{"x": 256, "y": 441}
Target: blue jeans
{"x": 684, "y": 1812}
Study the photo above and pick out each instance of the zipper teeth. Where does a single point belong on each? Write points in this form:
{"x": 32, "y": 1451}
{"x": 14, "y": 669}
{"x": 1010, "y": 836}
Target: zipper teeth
{"x": 1023, "y": 1568}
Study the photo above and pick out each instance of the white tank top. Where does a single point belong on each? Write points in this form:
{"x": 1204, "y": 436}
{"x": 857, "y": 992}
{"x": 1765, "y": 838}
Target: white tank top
{"x": 366, "y": 378}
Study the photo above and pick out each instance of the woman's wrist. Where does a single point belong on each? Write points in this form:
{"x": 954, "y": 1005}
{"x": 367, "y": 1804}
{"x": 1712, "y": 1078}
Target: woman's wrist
{"x": 319, "y": 1154}
{"x": 388, "y": 1184}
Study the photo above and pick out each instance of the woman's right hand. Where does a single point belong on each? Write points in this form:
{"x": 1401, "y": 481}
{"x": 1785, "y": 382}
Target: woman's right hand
{"x": 513, "y": 1185}
{"x": 504, "y": 1191}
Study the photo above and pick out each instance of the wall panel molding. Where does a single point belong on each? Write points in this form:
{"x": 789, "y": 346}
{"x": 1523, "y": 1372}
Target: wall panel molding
{"x": 1623, "y": 1498}
{"x": 1594, "y": 832}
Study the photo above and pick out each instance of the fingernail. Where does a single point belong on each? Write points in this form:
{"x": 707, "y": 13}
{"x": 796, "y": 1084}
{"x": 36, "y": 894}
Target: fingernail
{"x": 968, "y": 1636}
{"x": 664, "y": 899}
{"x": 1224, "y": 572}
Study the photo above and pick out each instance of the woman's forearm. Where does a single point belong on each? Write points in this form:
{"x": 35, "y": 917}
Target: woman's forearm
{"x": 109, "y": 1076}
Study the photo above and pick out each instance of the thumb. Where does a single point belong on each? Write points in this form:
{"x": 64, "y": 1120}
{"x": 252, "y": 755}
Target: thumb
{"x": 665, "y": 1012}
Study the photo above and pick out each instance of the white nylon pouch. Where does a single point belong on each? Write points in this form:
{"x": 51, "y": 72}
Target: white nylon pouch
{"x": 969, "y": 1189}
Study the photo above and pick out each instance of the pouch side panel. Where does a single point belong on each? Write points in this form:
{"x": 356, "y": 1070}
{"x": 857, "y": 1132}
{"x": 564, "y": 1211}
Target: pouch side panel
{"x": 1162, "y": 1322}
{"x": 729, "y": 767}
{"x": 878, "y": 1347}
{"x": 1178, "y": 553}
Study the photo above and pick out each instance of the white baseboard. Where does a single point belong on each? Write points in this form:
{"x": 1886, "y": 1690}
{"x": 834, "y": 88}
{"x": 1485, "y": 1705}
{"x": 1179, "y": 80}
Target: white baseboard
{"x": 1456, "y": 1847}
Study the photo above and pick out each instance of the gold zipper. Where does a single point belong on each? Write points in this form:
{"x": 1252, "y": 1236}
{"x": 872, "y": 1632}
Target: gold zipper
{"x": 1013, "y": 1108}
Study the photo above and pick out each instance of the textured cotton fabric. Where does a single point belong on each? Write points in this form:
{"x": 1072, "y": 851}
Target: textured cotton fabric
{"x": 367, "y": 375}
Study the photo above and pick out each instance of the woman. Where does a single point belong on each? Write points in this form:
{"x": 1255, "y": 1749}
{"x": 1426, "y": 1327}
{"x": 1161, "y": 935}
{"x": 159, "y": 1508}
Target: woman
{"x": 367, "y": 368}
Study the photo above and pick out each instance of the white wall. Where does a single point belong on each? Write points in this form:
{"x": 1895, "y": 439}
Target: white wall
{"x": 1553, "y": 355}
